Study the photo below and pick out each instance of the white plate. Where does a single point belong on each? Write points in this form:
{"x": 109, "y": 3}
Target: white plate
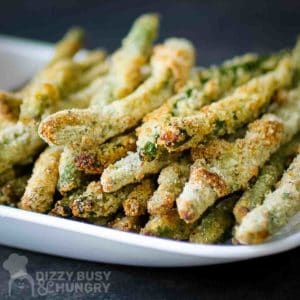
{"x": 19, "y": 60}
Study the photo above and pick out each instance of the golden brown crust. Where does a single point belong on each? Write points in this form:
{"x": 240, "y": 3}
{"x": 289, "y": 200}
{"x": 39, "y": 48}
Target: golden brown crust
{"x": 227, "y": 115}
{"x": 136, "y": 202}
{"x": 95, "y": 159}
{"x": 41, "y": 186}
{"x": 213, "y": 179}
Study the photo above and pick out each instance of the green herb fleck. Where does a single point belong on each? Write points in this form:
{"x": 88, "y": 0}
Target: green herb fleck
{"x": 149, "y": 149}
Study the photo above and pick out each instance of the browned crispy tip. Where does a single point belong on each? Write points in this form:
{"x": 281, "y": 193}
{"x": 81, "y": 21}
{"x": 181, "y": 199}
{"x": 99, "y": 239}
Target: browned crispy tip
{"x": 169, "y": 138}
{"x": 89, "y": 163}
{"x": 51, "y": 125}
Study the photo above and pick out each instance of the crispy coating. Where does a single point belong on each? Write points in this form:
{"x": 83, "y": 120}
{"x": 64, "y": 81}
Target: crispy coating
{"x": 171, "y": 64}
{"x": 136, "y": 202}
{"x": 131, "y": 169}
{"x": 126, "y": 63}
{"x": 263, "y": 221}
{"x": 168, "y": 225}
{"x": 75, "y": 163}
{"x": 229, "y": 171}
{"x": 228, "y": 114}
{"x": 41, "y": 101}
{"x": 9, "y": 108}
{"x": 64, "y": 78}
{"x": 206, "y": 86}
{"x": 265, "y": 182}
{"x": 20, "y": 141}
{"x": 12, "y": 191}
{"x": 63, "y": 207}
{"x": 64, "y": 75}
{"x": 215, "y": 224}
{"x": 70, "y": 178}
{"x": 147, "y": 123}
{"x": 232, "y": 166}
{"x": 18, "y": 144}
{"x": 93, "y": 160}
{"x": 95, "y": 203}
{"x": 127, "y": 223}
{"x": 68, "y": 46}
{"x": 135, "y": 51}
{"x": 171, "y": 181}
{"x": 65, "y": 49}
{"x": 41, "y": 186}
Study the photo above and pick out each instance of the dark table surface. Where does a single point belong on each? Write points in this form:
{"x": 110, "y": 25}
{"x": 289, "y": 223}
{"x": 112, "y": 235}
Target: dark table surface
{"x": 219, "y": 29}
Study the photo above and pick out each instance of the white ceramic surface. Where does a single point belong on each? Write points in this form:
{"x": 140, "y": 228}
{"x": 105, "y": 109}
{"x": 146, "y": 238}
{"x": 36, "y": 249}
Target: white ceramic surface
{"x": 19, "y": 60}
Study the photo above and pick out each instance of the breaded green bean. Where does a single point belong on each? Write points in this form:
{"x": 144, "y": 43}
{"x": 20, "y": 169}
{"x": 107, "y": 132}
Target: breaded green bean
{"x": 70, "y": 178}
{"x": 125, "y": 72}
{"x": 227, "y": 167}
{"x": 12, "y": 191}
{"x": 171, "y": 181}
{"x": 64, "y": 77}
{"x": 41, "y": 186}
{"x": 95, "y": 203}
{"x": 68, "y": 46}
{"x": 75, "y": 163}
{"x": 215, "y": 224}
{"x": 21, "y": 141}
{"x": 168, "y": 225}
{"x": 171, "y": 64}
{"x": 131, "y": 169}
{"x": 18, "y": 143}
{"x": 136, "y": 202}
{"x": 216, "y": 176}
{"x": 93, "y": 160}
{"x": 127, "y": 223}
{"x": 70, "y": 75}
{"x": 268, "y": 176}
{"x": 263, "y": 221}
{"x": 86, "y": 141}
{"x": 135, "y": 51}
{"x": 227, "y": 115}
{"x": 207, "y": 86}
{"x": 40, "y": 101}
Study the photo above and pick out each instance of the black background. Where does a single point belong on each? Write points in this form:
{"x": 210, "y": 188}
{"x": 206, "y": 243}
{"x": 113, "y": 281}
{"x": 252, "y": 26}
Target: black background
{"x": 219, "y": 29}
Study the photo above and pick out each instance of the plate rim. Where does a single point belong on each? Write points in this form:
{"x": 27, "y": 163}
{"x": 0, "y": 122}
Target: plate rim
{"x": 155, "y": 243}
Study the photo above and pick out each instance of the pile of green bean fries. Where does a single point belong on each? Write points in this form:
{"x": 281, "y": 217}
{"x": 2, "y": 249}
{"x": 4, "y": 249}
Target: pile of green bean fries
{"x": 142, "y": 140}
